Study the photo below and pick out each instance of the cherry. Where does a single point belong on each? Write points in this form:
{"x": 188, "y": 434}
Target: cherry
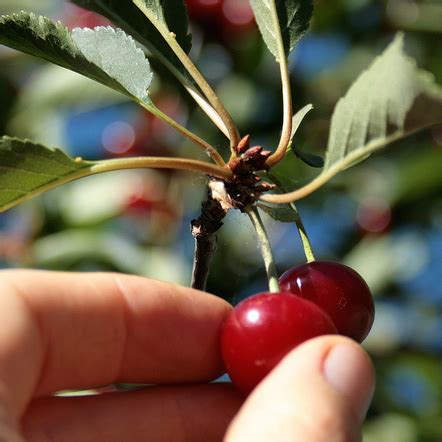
{"x": 338, "y": 290}
{"x": 262, "y": 329}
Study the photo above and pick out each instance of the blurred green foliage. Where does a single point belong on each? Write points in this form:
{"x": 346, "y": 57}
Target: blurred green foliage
{"x": 383, "y": 217}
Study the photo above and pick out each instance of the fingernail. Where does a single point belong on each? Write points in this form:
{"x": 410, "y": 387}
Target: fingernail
{"x": 349, "y": 370}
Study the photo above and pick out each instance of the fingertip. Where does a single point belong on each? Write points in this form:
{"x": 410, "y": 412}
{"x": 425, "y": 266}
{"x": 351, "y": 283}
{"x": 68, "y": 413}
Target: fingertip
{"x": 344, "y": 365}
{"x": 322, "y": 387}
{"x": 349, "y": 370}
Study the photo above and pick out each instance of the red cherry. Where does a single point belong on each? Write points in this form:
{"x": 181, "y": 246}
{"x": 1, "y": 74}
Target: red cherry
{"x": 262, "y": 329}
{"x": 338, "y": 290}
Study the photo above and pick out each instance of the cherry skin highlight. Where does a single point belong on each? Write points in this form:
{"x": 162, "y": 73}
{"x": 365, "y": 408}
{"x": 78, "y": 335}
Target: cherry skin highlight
{"x": 262, "y": 329}
{"x": 338, "y": 290}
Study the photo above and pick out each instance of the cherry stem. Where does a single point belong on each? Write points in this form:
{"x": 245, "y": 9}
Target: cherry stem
{"x": 306, "y": 244}
{"x": 265, "y": 248}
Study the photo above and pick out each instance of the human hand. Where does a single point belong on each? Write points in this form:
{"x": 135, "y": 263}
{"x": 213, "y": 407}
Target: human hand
{"x": 320, "y": 392}
{"x": 77, "y": 331}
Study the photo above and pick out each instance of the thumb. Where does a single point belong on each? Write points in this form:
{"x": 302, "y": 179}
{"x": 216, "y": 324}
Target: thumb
{"x": 319, "y": 392}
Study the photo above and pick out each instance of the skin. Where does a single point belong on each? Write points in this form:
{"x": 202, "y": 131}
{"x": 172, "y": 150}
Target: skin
{"x": 78, "y": 331}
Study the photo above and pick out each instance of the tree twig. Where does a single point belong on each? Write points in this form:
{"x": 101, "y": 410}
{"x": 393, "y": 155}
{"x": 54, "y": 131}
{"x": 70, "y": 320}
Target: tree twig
{"x": 204, "y": 230}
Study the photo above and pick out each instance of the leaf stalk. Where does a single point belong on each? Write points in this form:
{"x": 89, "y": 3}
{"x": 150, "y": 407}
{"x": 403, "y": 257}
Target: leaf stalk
{"x": 208, "y": 148}
{"x": 194, "y": 93}
{"x": 329, "y": 173}
{"x": 213, "y": 99}
{"x": 160, "y": 163}
{"x": 286, "y": 131}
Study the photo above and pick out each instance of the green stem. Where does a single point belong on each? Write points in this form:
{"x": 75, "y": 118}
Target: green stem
{"x": 330, "y": 171}
{"x": 306, "y": 244}
{"x": 184, "y": 80}
{"x": 205, "y": 106}
{"x": 195, "y": 94}
{"x": 286, "y": 131}
{"x": 213, "y": 99}
{"x": 208, "y": 148}
{"x": 96, "y": 167}
{"x": 266, "y": 250}
{"x": 159, "y": 163}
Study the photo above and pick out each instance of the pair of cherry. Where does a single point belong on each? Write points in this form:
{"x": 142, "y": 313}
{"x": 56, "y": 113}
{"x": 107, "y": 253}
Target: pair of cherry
{"x": 316, "y": 298}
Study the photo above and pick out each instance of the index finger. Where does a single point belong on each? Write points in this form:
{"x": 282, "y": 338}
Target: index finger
{"x": 73, "y": 331}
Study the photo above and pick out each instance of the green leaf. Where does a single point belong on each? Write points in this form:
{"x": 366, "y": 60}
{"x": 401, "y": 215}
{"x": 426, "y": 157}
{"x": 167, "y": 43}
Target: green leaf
{"x": 28, "y": 169}
{"x": 389, "y": 101}
{"x": 297, "y": 119}
{"x": 309, "y": 158}
{"x": 293, "y": 16}
{"x": 130, "y": 68}
{"x": 282, "y": 213}
{"x": 285, "y": 213}
{"x": 376, "y": 109}
{"x": 172, "y": 13}
{"x": 87, "y": 52}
